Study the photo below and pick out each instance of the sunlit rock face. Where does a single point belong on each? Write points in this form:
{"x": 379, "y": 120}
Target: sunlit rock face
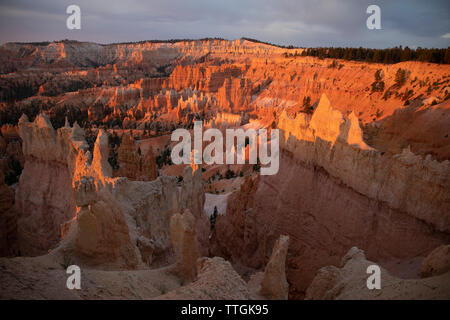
{"x": 133, "y": 164}
{"x": 44, "y": 198}
{"x": 116, "y": 220}
{"x": 102, "y": 232}
{"x": 192, "y": 196}
{"x": 184, "y": 242}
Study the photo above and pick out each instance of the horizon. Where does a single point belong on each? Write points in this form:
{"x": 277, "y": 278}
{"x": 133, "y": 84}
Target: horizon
{"x": 287, "y": 46}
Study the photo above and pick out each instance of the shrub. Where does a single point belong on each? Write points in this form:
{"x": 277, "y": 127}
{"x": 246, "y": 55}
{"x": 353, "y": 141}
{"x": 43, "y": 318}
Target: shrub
{"x": 334, "y": 64}
{"x": 378, "y": 86}
{"x": 164, "y": 158}
{"x": 229, "y": 174}
{"x": 306, "y": 102}
{"x": 400, "y": 77}
{"x": 378, "y": 76}
{"x": 212, "y": 218}
{"x": 67, "y": 260}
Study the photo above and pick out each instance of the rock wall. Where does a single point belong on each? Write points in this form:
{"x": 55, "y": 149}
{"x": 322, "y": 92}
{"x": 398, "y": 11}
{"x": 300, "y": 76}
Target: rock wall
{"x": 436, "y": 263}
{"x": 134, "y": 165}
{"x": 44, "y": 198}
{"x": 67, "y": 192}
{"x": 405, "y": 182}
{"x": 184, "y": 243}
{"x": 333, "y": 192}
{"x": 8, "y": 221}
{"x": 348, "y": 282}
{"x": 102, "y": 234}
{"x": 192, "y": 196}
{"x": 85, "y": 54}
{"x": 274, "y": 284}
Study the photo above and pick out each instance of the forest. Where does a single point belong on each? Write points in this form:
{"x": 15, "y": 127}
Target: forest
{"x": 387, "y": 56}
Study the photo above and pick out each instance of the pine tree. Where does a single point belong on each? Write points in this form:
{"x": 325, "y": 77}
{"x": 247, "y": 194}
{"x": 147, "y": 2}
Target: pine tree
{"x": 400, "y": 77}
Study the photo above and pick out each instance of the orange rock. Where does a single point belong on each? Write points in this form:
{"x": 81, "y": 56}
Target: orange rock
{"x": 274, "y": 284}
{"x": 102, "y": 232}
{"x": 134, "y": 165}
{"x": 184, "y": 242}
{"x": 436, "y": 263}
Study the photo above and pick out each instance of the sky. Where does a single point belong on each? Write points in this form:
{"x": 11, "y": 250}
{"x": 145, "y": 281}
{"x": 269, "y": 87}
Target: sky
{"x": 303, "y": 23}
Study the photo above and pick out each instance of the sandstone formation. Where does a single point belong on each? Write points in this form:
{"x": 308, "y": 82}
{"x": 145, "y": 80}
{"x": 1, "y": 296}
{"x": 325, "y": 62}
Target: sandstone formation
{"x": 8, "y": 220}
{"x": 193, "y": 198}
{"x": 184, "y": 242}
{"x": 117, "y": 221}
{"x": 44, "y": 198}
{"x": 349, "y": 282}
{"x": 238, "y": 215}
{"x": 102, "y": 233}
{"x": 333, "y": 148}
{"x": 149, "y": 171}
{"x": 128, "y": 158}
{"x": 149, "y": 206}
{"x": 20, "y": 280}
{"x": 68, "y": 52}
{"x": 274, "y": 284}
{"x": 217, "y": 280}
{"x": 100, "y": 156}
{"x": 385, "y": 195}
{"x": 134, "y": 165}
{"x": 436, "y": 263}
{"x": 132, "y": 83}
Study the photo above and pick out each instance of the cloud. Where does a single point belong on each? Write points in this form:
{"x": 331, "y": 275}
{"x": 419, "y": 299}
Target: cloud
{"x": 297, "y": 22}
{"x": 446, "y": 36}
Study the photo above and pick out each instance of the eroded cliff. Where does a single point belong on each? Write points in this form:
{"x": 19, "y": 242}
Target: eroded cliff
{"x": 332, "y": 192}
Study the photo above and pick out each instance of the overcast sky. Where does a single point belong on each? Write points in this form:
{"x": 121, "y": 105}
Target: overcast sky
{"x": 298, "y": 22}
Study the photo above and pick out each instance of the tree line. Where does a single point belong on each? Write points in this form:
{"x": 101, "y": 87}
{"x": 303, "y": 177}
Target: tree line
{"x": 387, "y": 56}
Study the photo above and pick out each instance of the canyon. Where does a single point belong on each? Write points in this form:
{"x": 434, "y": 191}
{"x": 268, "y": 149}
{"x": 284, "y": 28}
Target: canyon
{"x": 87, "y": 178}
